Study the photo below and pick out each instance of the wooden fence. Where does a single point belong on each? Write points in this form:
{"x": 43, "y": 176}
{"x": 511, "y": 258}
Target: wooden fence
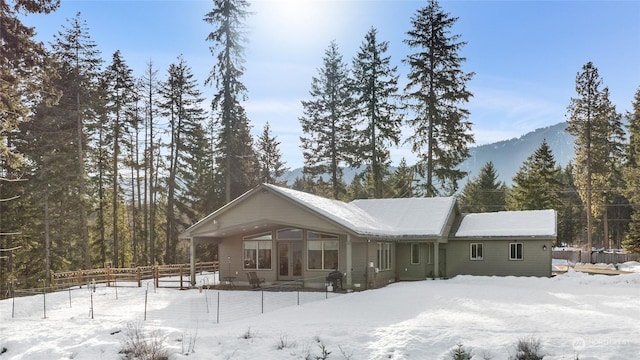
{"x": 594, "y": 257}
{"x": 175, "y": 275}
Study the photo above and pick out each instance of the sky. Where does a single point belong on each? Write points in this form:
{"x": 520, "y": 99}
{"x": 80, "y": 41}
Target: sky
{"x": 525, "y": 54}
{"x": 572, "y": 315}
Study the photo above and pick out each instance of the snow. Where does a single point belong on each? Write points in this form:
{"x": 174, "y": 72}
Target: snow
{"x": 593, "y": 316}
{"x": 509, "y": 223}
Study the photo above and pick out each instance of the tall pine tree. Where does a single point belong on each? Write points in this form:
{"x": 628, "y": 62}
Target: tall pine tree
{"x": 271, "y": 167}
{"x": 234, "y": 146}
{"x": 435, "y": 94}
{"x": 327, "y": 123}
{"x": 375, "y": 93}
{"x": 593, "y": 121}
{"x": 631, "y": 242}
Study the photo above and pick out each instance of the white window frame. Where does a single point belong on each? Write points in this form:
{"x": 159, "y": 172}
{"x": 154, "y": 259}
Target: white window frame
{"x": 515, "y": 246}
{"x": 262, "y": 244}
{"x": 324, "y": 240}
{"x": 473, "y": 249}
{"x": 384, "y": 256}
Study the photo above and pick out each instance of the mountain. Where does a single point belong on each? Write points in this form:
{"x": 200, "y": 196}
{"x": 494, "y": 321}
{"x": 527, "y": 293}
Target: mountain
{"x": 507, "y": 156}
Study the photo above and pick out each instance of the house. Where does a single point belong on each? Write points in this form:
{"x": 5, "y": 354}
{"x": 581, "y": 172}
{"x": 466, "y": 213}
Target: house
{"x": 285, "y": 235}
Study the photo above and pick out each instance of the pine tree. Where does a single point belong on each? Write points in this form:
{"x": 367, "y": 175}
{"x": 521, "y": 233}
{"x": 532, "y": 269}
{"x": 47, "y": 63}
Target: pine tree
{"x": 484, "y": 193}
{"x": 435, "y": 92}
{"x": 149, "y": 94}
{"x": 182, "y": 106}
{"x": 596, "y": 125}
{"x": 402, "y": 181}
{"x": 80, "y": 66}
{"x": 631, "y": 242}
{"x": 121, "y": 97}
{"x": 327, "y": 122}
{"x": 375, "y": 92}
{"x": 536, "y": 186}
{"x": 25, "y": 69}
{"x": 269, "y": 158}
{"x": 571, "y": 213}
{"x": 234, "y": 141}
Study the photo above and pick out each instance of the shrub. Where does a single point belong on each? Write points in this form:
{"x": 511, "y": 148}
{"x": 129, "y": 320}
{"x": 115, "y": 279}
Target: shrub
{"x": 138, "y": 346}
{"x": 528, "y": 349}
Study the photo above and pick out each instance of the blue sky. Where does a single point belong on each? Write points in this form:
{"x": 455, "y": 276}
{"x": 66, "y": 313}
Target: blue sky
{"x": 525, "y": 54}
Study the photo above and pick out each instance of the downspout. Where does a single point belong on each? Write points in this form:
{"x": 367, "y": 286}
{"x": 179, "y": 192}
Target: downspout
{"x": 436, "y": 259}
{"x": 349, "y": 264}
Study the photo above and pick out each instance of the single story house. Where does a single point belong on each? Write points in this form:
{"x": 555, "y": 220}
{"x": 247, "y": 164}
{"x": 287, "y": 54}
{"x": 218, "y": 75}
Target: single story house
{"x": 285, "y": 235}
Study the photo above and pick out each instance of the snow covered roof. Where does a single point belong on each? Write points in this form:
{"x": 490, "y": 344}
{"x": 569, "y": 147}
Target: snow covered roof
{"x": 508, "y": 223}
{"x": 404, "y": 217}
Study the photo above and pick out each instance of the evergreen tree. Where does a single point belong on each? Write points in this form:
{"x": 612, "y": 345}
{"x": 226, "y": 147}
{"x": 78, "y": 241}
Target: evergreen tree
{"x": 327, "y": 123}
{"x": 270, "y": 165}
{"x": 484, "y": 193}
{"x": 79, "y": 70}
{"x": 571, "y": 213}
{"x": 234, "y": 141}
{"x": 375, "y": 91}
{"x": 435, "y": 92}
{"x": 402, "y": 181}
{"x": 121, "y": 97}
{"x": 632, "y": 176}
{"x": 182, "y": 106}
{"x": 596, "y": 126}
{"x": 25, "y": 68}
{"x": 149, "y": 94}
{"x": 536, "y": 186}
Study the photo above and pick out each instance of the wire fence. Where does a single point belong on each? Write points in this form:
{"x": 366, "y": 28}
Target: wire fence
{"x": 153, "y": 304}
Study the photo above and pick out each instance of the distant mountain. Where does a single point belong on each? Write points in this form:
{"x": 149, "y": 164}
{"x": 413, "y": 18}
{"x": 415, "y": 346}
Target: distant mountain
{"x": 507, "y": 156}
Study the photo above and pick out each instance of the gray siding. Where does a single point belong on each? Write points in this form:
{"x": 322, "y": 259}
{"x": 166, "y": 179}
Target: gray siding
{"x": 420, "y": 271}
{"x": 535, "y": 262}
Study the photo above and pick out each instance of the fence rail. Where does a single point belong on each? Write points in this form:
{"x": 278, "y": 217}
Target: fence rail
{"x": 121, "y": 276}
{"x": 594, "y": 257}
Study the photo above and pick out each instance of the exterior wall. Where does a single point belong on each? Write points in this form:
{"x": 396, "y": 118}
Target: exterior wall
{"x": 420, "y": 271}
{"x": 267, "y": 207}
{"x": 535, "y": 262}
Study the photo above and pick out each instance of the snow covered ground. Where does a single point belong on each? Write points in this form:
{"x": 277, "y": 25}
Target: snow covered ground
{"x": 593, "y": 316}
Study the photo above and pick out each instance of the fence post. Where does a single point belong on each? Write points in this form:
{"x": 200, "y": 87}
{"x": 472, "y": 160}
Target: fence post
{"x": 180, "y": 269}
{"x": 156, "y": 276}
{"x": 139, "y": 276}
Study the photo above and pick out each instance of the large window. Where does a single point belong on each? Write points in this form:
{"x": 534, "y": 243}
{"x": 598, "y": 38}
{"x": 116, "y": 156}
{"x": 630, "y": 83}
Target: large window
{"x": 384, "y": 256}
{"x": 257, "y": 251}
{"x": 475, "y": 251}
{"x": 515, "y": 251}
{"x": 415, "y": 253}
{"x": 322, "y": 251}
{"x": 289, "y": 234}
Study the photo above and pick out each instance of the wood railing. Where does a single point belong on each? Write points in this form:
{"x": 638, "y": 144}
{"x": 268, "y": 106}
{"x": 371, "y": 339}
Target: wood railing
{"x": 165, "y": 275}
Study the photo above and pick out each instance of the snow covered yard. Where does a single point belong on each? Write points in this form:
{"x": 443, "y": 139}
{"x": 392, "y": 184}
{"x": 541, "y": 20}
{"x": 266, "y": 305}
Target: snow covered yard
{"x": 593, "y": 316}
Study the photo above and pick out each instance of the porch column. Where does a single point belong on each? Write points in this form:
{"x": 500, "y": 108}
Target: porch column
{"x": 349, "y": 263}
{"x": 436, "y": 260}
{"x": 192, "y": 261}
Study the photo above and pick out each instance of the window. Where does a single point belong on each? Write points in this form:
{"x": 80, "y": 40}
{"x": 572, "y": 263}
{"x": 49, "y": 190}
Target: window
{"x": 415, "y": 253}
{"x": 515, "y": 251}
{"x": 289, "y": 234}
{"x": 476, "y": 251}
{"x": 322, "y": 251}
{"x": 257, "y": 251}
{"x": 384, "y": 256}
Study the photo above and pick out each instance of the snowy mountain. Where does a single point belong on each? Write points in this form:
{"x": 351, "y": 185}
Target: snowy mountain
{"x": 507, "y": 155}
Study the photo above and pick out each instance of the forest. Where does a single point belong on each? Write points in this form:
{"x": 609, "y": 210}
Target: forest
{"x": 98, "y": 167}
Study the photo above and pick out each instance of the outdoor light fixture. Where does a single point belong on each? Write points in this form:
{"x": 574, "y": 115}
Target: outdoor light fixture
{"x": 544, "y": 247}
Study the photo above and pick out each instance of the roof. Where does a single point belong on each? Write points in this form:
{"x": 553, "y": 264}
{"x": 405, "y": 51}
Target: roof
{"x": 402, "y": 217}
{"x": 529, "y": 223}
